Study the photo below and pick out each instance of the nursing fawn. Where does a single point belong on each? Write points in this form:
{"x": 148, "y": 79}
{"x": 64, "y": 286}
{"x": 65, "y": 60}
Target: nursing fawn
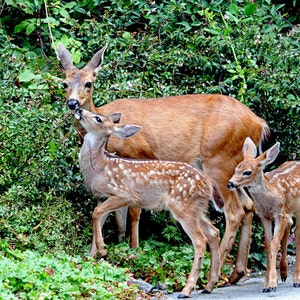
{"x": 206, "y": 131}
{"x": 276, "y": 197}
{"x": 152, "y": 184}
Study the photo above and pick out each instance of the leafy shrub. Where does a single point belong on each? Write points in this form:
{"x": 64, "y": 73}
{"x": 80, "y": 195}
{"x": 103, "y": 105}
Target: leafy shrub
{"x": 156, "y": 48}
{"x": 157, "y": 262}
{"x": 28, "y": 275}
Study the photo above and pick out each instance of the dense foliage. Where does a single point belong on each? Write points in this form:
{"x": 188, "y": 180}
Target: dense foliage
{"x": 29, "y": 275}
{"x": 243, "y": 49}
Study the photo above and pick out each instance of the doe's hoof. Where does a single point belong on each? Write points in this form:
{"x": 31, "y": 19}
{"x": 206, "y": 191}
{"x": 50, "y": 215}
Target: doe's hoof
{"x": 283, "y": 278}
{"x": 205, "y": 292}
{"x": 236, "y": 276}
{"x": 182, "y": 296}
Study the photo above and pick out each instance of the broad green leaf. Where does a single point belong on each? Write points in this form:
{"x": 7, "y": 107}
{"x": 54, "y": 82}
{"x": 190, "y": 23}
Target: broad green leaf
{"x": 227, "y": 31}
{"x": 21, "y": 27}
{"x": 250, "y": 9}
{"x": 64, "y": 13}
{"x": 30, "y": 28}
{"x": 76, "y": 56}
{"x": 233, "y": 8}
{"x": 26, "y": 75}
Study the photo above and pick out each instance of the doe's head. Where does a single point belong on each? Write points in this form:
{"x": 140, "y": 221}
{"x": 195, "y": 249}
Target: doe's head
{"x": 78, "y": 83}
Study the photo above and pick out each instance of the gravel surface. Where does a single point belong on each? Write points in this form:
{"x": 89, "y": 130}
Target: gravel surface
{"x": 250, "y": 287}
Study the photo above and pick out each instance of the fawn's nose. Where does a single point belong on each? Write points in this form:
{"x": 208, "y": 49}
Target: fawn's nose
{"x": 230, "y": 185}
{"x": 73, "y": 104}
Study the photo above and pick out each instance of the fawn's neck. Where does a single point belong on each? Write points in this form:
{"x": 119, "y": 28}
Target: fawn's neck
{"x": 93, "y": 150}
{"x": 260, "y": 188}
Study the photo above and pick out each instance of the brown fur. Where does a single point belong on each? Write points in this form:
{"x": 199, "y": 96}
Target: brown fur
{"x": 276, "y": 196}
{"x": 153, "y": 184}
{"x": 209, "y": 129}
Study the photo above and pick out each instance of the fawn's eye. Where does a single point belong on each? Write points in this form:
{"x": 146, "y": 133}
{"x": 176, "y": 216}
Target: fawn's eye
{"x": 98, "y": 119}
{"x": 64, "y": 85}
{"x": 247, "y": 173}
{"x": 88, "y": 85}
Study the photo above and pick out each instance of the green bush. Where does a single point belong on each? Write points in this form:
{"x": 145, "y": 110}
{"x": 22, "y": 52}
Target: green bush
{"x": 28, "y": 275}
{"x": 242, "y": 49}
{"x": 159, "y": 263}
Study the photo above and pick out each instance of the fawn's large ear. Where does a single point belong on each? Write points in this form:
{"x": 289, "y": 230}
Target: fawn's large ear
{"x": 269, "y": 155}
{"x": 249, "y": 148}
{"x": 126, "y": 131}
{"x": 97, "y": 60}
{"x": 65, "y": 57}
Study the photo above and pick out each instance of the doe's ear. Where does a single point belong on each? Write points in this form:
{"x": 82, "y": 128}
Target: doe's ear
{"x": 97, "y": 60}
{"x": 126, "y": 131}
{"x": 65, "y": 57}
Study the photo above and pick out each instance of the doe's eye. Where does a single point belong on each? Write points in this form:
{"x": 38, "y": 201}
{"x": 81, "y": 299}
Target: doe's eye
{"x": 88, "y": 85}
{"x": 98, "y": 119}
{"x": 247, "y": 173}
{"x": 64, "y": 85}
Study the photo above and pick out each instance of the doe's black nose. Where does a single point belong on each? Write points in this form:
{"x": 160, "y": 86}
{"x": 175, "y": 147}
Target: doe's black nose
{"x": 73, "y": 104}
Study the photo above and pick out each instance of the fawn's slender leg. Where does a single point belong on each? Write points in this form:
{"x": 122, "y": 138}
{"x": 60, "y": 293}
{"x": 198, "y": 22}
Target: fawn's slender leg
{"x": 267, "y": 224}
{"x": 134, "y": 217}
{"x": 193, "y": 229}
{"x": 279, "y": 228}
{"x": 284, "y": 244}
{"x": 111, "y": 204}
{"x": 297, "y": 241}
{"x": 213, "y": 239}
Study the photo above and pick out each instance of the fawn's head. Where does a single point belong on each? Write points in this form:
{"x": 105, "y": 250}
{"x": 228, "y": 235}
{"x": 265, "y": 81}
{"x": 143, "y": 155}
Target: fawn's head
{"x": 79, "y": 83}
{"x": 250, "y": 170}
{"x": 104, "y": 126}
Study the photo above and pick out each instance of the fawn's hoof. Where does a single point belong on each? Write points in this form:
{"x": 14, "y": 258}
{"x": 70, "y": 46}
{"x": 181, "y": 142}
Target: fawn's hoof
{"x": 296, "y": 285}
{"x": 182, "y": 296}
{"x": 205, "y": 292}
{"x": 269, "y": 290}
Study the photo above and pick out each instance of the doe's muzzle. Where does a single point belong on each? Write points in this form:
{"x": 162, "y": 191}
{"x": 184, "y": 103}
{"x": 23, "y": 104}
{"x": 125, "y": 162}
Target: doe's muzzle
{"x": 73, "y": 104}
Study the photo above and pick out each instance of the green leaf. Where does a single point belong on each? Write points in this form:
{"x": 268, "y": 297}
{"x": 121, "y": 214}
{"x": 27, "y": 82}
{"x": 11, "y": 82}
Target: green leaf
{"x": 227, "y": 31}
{"x": 30, "y": 28}
{"x": 232, "y": 71}
{"x": 26, "y": 76}
{"x": 21, "y": 27}
{"x": 233, "y": 8}
{"x": 250, "y": 9}
{"x": 64, "y": 13}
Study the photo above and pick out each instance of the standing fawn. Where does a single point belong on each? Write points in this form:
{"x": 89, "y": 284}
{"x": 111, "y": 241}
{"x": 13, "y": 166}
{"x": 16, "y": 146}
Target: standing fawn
{"x": 152, "y": 184}
{"x": 276, "y": 196}
{"x": 206, "y": 131}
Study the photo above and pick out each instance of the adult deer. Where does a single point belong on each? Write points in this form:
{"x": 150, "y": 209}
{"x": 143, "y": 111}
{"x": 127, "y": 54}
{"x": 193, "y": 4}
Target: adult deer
{"x": 276, "y": 196}
{"x": 162, "y": 185}
{"x": 204, "y": 130}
